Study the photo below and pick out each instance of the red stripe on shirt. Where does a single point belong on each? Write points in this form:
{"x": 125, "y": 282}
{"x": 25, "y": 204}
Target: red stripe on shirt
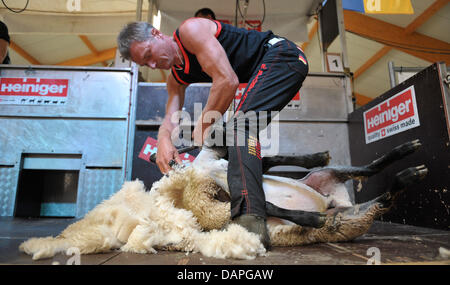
{"x": 174, "y": 71}
{"x": 186, "y": 59}
{"x": 219, "y": 28}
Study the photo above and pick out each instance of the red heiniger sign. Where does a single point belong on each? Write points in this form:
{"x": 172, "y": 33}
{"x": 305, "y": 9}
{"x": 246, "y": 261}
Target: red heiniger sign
{"x": 150, "y": 148}
{"x": 392, "y": 116}
{"x": 33, "y": 91}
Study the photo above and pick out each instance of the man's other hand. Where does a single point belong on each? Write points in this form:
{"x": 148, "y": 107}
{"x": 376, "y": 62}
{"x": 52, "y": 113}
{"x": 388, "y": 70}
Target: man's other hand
{"x": 166, "y": 153}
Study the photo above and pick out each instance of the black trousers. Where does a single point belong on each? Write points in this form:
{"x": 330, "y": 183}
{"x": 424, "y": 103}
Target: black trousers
{"x": 281, "y": 73}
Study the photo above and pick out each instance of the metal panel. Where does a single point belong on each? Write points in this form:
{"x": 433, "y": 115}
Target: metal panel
{"x": 8, "y": 182}
{"x": 310, "y": 137}
{"x": 52, "y": 163}
{"x": 102, "y": 142}
{"x": 424, "y": 204}
{"x": 94, "y": 123}
{"x": 88, "y": 95}
{"x": 128, "y": 161}
{"x": 152, "y": 99}
{"x": 322, "y": 98}
{"x": 96, "y": 186}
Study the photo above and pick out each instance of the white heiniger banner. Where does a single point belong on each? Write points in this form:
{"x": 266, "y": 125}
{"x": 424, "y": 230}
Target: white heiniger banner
{"x": 392, "y": 116}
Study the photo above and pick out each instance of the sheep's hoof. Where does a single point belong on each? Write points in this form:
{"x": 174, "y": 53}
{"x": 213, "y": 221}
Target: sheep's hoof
{"x": 408, "y": 177}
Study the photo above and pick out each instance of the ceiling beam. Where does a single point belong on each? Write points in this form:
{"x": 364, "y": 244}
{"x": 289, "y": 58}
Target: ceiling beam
{"x": 362, "y": 100}
{"x": 411, "y": 28}
{"x": 311, "y": 35}
{"x": 427, "y": 14}
{"x": 375, "y": 29}
{"x": 90, "y": 46}
{"x": 66, "y": 25}
{"x": 91, "y": 59}
{"x": 23, "y": 53}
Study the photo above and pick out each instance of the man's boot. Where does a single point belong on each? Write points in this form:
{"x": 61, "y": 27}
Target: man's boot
{"x": 255, "y": 224}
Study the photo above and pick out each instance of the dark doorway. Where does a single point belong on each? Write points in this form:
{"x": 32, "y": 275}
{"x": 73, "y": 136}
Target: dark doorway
{"x": 47, "y": 193}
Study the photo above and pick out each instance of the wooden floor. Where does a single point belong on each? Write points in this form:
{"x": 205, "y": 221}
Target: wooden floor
{"x": 397, "y": 244}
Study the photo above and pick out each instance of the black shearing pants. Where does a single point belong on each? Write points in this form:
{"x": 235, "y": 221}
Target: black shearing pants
{"x": 272, "y": 86}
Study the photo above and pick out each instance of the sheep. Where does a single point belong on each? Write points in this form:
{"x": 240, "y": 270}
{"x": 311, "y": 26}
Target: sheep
{"x": 189, "y": 210}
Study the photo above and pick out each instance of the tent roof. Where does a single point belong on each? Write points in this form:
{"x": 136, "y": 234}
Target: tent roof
{"x": 47, "y": 33}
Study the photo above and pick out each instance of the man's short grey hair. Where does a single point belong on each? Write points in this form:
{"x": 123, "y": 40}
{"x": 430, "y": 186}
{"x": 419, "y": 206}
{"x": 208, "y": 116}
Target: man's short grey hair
{"x": 135, "y": 31}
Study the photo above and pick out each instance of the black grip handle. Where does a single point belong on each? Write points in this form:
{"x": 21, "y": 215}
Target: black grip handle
{"x": 180, "y": 150}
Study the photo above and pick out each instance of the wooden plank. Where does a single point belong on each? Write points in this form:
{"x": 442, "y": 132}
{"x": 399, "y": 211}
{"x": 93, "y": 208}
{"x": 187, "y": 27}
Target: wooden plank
{"x": 427, "y": 14}
{"x": 362, "y": 100}
{"x": 388, "y": 33}
{"x": 23, "y": 53}
{"x": 91, "y": 58}
{"x": 91, "y": 47}
{"x": 412, "y": 27}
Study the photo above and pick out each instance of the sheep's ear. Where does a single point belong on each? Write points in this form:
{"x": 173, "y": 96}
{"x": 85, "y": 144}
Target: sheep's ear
{"x": 222, "y": 196}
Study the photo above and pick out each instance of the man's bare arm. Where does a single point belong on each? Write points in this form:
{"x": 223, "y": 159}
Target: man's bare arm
{"x": 175, "y": 103}
{"x": 198, "y": 36}
{"x": 166, "y": 150}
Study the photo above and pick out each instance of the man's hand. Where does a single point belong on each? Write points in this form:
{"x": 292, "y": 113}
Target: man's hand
{"x": 200, "y": 132}
{"x": 166, "y": 153}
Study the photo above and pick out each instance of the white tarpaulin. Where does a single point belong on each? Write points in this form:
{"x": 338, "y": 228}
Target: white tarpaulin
{"x": 286, "y": 18}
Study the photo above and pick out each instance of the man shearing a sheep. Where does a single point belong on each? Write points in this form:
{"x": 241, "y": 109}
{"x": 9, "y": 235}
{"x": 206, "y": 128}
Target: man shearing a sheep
{"x": 203, "y": 50}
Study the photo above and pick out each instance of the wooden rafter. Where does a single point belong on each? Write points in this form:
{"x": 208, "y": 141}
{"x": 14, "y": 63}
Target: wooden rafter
{"x": 411, "y": 28}
{"x": 361, "y": 99}
{"x": 311, "y": 35}
{"x": 91, "y": 58}
{"x": 91, "y": 47}
{"x": 23, "y": 53}
{"x": 427, "y": 14}
{"x": 385, "y": 32}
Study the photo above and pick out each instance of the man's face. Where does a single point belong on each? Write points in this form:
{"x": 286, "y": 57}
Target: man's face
{"x": 154, "y": 53}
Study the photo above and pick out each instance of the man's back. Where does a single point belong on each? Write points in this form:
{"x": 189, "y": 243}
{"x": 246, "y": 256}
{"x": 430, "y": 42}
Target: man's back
{"x": 244, "y": 50}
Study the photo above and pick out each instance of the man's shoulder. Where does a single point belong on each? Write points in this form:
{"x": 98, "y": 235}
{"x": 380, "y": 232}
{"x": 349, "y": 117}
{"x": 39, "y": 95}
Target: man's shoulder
{"x": 194, "y": 25}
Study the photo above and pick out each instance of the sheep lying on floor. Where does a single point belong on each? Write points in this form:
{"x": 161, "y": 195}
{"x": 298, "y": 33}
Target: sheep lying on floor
{"x": 188, "y": 210}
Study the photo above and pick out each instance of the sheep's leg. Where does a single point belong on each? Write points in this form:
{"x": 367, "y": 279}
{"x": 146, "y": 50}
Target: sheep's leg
{"x": 345, "y": 224}
{"x": 401, "y": 181}
{"x": 303, "y": 218}
{"x": 307, "y": 161}
{"x": 396, "y": 154}
{"x": 330, "y": 176}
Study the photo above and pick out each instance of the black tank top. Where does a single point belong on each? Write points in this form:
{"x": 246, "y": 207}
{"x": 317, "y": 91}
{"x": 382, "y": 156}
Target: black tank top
{"x": 5, "y": 36}
{"x": 244, "y": 49}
